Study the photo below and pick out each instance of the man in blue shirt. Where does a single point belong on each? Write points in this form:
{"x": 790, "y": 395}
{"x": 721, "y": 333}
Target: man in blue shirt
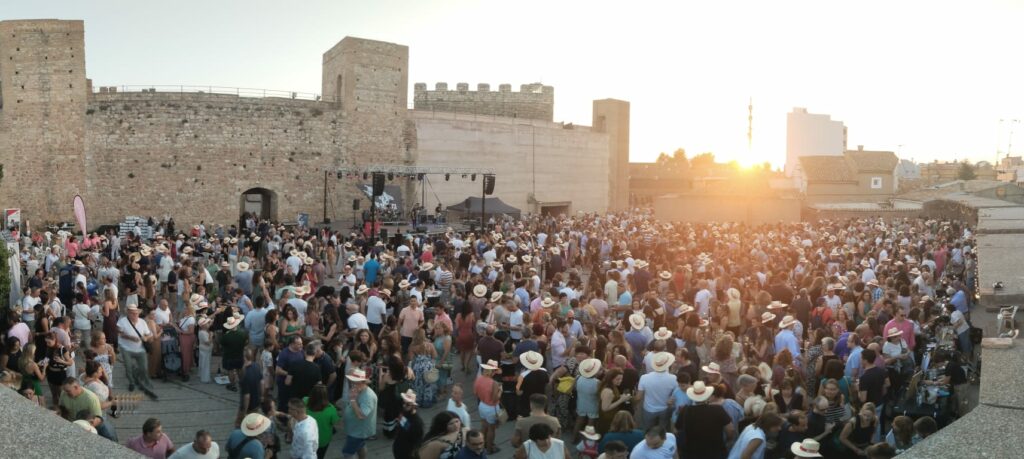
{"x": 370, "y": 269}
{"x": 853, "y": 361}
{"x": 249, "y": 439}
{"x": 786, "y": 339}
{"x": 959, "y": 299}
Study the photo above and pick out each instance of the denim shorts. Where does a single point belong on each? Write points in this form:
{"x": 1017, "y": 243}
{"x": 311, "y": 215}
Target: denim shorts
{"x": 489, "y": 413}
{"x": 352, "y": 445}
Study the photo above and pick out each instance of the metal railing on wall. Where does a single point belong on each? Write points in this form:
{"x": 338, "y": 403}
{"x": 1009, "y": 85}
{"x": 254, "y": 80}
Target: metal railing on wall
{"x": 213, "y": 90}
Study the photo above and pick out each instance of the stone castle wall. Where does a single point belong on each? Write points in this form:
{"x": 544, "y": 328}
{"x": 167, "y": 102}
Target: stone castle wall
{"x": 533, "y": 101}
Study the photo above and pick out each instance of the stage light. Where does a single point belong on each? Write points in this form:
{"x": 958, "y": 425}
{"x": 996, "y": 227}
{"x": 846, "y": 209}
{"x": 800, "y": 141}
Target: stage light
{"x": 391, "y": 175}
{"x": 447, "y": 177}
{"x": 474, "y": 177}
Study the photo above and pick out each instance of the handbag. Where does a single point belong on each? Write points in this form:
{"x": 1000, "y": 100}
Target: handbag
{"x": 432, "y": 375}
{"x": 565, "y": 384}
{"x": 145, "y": 344}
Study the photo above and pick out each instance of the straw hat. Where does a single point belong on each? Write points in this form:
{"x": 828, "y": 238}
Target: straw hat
{"x": 806, "y": 448}
{"x": 490, "y": 365}
{"x": 196, "y": 299}
{"x": 547, "y": 302}
{"x": 511, "y": 259}
{"x": 85, "y": 425}
{"x": 480, "y": 290}
{"x": 495, "y": 264}
{"x": 426, "y": 266}
{"x": 532, "y": 360}
{"x": 712, "y": 368}
{"x": 590, "y": 433}
{"x": 662, "y": 333}
{"x": 590, "y": 367}
{"x": 641, "y": 264}
{"x": 357, "y": 375}
{"x": 403, "y": 284}
{"x": 893, "y": 332}
{"x": 767, "y": 317}
{"x": 232, "y": 323}
{"x": 777, "y": 305}
{"x": 873, "y": 283}
{"x": 255, "y": 424}
{"x": 637, "y": 321}
{"x": 242, "y": 266}
{"x": 409, "y": 397}
{"x": 307, "y": 261}
{"x": 555, "y": 251}
{"x": 665, "y": 275}
{"x": 302, "y": 290}
{"x": 203, "y": 321}
{"x": 765, "y": 371}
{"x": 700, "y": 392}
{"x": 683, "y": 309}
{"x": 385, "y": 292}
{"x": 526, "y": 258}
{"x": 662, "y": 360}
{"x": 362, "y": 289}
{"x": 787, "y": 321}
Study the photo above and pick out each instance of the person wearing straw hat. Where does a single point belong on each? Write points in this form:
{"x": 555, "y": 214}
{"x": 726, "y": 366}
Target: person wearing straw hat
{"x": 587, "y": 447}
{"x": 250, "y": 438}
{"x": 133, "y": 334}
{"x": 655, "y": 389}
{"x": 807, "y": 448}
{"x": 706, "y": 427}
{"x": 488, "y": 392}
{"x": 409, "y": 431}
{"x": 359, "y": 414}
{"x": 637, "y": 337}
{"x": 587, "y": 384}
{"x": 786, "y": 338}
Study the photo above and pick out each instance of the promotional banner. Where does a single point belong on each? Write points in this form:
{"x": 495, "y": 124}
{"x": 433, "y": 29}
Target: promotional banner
{"x": 12, "y": 218}
{"x": 80, "y": 213}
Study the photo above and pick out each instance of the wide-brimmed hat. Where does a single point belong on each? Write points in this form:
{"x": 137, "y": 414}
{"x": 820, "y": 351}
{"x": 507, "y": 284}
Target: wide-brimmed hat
{"x": 787, "y": 321}
{"x": 662, "y": 361}
{"x": 637, "y": 321}
{"x": 302, "y": 290}
{"x": 555, "y": 250}
{"x": 712, "y": 368}
{"x": 409, "y": 396}
{"x": 480, "y": 290}
{"x": 662, "y": 333}
{"x": 495, "y": 264}
{"x": 385, "y": 292}
{"x": 683, "y": 309}
{"x": 308, "y": 261}
{"x": 489, "y": 365}
{"x": 590, "y": 367}
{"x": 767, "y": 317}
{"x": 495, "y": 296}
{"x": 806, "y": 448}
{"x": 893, "y": 332}
{"x": 242, "y": 266}
{"x": 362, "y": 290}
{"x": 665, "y": 275}
{"x": 196, "y": 299}
{"x": 426, "y": 266}
{"x": 526, "y": 258}
{"x": 547, "y": 302}
{"x": 294, "y": 253}
{"x": 700, "y": 392}
{"x": 357, "y": 375}
{"x": 873, "y": 283}
{"x": 254, "y": 424}
{"x": 232, "y": 323}
{"x": 532, "y": 360}
{"x": 203, "y": 321}
{"x": 132, "y": 307}
{"x": 777, "y": 305}
{"x": 641, "y": 264}
{"x": 511, "y": 259}
{"x": 85, "y": 425}
{"x": 403, "y": 284}
{"x": 590, "y": 433}
{"x": 925, "y": 299}
{"x": 765, "y": 371}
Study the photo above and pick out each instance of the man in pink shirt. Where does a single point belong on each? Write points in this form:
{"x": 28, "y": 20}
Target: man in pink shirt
{"x": 153, "y": 443}
{"x": 900, "y": 322}
{"x": 409, "y": 320}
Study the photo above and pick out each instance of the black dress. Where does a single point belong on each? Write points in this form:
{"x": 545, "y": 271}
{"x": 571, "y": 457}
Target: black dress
{"x": 408, "y": 437}
{"x": 535, "y": 382}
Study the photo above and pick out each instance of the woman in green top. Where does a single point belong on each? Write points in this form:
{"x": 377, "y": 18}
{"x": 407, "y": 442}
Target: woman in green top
{"x": 290, "y": 323}
{"x": 31, "y": 374}
{"x": 325, "y": 415}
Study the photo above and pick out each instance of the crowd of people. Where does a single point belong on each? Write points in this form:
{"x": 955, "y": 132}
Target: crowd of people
{"x": 619, "y": 334}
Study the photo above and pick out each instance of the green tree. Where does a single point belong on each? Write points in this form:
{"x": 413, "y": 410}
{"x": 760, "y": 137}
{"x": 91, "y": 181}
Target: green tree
{"x": 678, "y": 156}
{"x": 706, "y": 159}
{"x": 966, "y": 171}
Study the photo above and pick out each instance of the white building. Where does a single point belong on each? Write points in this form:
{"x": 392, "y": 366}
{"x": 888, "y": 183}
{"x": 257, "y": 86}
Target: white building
{"x": 809, "y": 134}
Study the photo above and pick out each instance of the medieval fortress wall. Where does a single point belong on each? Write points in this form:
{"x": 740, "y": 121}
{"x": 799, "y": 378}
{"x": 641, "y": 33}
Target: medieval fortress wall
{"x": 192, "y": 154}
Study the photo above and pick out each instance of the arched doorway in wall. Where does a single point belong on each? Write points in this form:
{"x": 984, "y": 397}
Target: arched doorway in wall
{"x": 260, "y": 202}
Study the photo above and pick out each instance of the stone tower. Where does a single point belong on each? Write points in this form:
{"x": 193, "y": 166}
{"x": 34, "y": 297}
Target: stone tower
{"x": 612, "y": 117}
{"x": 43, "y": 92}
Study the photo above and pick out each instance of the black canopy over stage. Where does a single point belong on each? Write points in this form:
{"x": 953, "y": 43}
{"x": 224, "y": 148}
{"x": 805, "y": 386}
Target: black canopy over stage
{"x": 494, "y": 206}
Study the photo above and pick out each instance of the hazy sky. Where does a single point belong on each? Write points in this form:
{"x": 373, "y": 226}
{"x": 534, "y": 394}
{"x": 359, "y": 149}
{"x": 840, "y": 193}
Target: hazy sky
{"x": 933, "y": 76}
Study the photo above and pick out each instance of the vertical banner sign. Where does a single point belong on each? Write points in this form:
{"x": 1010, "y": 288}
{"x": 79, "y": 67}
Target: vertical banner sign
{"x": 12, "y": 218}
{"x": 80, "y": 213}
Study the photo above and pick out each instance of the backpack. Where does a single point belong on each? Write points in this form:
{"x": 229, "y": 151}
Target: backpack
{"x": 816, "y": 320}
{"x": 237, "y": 450}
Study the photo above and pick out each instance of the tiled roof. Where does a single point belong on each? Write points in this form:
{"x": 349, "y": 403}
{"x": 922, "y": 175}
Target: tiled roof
{"x": 826, "y": 169}
{"x": 873, "y": 161}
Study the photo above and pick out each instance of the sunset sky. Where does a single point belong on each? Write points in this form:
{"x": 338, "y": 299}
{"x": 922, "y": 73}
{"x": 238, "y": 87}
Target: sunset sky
{"x": 935, "y": 77}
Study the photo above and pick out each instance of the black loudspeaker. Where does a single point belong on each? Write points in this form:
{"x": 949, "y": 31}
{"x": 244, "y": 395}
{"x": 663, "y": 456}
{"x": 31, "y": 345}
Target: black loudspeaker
{"x": 488, "y": 184}
{"x": 355, "y": 204}
{"x": 383, "y": 235}
{"x": 378, "y": 184}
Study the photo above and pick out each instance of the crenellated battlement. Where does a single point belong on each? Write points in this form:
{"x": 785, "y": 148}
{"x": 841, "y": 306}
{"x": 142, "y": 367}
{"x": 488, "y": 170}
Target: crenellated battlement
{"x": 532, "y": 101}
